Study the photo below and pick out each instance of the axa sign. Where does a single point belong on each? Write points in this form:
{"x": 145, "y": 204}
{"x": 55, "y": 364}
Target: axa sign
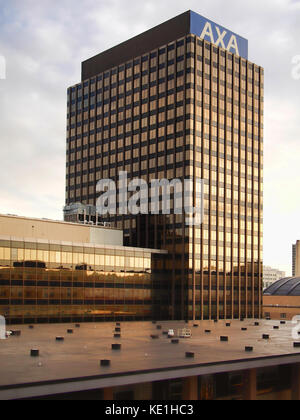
{"x": 218, "y": 35}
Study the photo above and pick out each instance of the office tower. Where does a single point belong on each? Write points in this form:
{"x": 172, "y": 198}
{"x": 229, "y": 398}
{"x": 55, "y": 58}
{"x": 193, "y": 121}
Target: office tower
{"x": 180, "y": 101}
{"x": 296, "y": 259}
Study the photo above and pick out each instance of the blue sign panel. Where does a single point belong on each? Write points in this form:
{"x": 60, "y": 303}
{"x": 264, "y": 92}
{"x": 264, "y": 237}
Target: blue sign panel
{"x": 219, "y": 36}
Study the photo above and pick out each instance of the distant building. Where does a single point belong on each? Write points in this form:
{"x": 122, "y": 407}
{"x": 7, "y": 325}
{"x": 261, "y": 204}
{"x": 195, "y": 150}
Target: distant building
{"x": 296, "y": 259}
{"x": 282, "y": 299}
{"x": 271, "y": 275}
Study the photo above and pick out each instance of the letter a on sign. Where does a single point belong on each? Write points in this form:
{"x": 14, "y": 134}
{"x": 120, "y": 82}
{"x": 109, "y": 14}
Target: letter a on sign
{"x": 207, "y": 31}
{"x": 233, "y": 44}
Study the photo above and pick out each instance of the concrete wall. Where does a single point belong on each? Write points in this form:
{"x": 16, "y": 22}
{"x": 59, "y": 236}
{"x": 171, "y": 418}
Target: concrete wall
{"x": 58, "y": 231}
{"x": 106, "y": 236}
{"x": 277, "y": 305}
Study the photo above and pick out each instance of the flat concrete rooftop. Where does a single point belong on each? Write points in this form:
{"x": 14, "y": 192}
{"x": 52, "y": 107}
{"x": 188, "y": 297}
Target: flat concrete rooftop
{"x": 74, "y": 365}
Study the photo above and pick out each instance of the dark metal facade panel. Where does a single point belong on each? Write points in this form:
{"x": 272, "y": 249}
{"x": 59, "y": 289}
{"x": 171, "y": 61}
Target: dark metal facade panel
{"x": 162, "y": 34}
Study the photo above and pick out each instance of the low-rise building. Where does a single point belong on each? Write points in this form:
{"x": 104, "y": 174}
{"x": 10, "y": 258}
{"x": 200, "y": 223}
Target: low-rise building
{"x": 282, "y": 299}
{"x": 271, "y": 275}
{"x": 61, "y": 272}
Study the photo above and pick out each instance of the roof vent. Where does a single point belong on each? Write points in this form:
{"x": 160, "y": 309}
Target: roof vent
{"x": 266, "y": 337}
{"x": 116, "y": 346}
{"x": 34, "y": 353}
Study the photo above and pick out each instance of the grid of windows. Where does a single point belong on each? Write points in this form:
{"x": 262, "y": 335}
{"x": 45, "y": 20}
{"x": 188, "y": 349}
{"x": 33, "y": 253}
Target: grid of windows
{"x": 46, "y": 282}
{"x": 185, "y": 110}
{"x": 226, "y": 253}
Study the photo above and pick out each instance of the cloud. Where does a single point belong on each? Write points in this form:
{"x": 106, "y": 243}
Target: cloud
{"x": 44, "y": 44}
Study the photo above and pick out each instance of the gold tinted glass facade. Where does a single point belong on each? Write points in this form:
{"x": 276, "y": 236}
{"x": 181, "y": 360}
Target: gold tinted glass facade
{"x": 47, "y": 282}
{"x": 185, "y": 110}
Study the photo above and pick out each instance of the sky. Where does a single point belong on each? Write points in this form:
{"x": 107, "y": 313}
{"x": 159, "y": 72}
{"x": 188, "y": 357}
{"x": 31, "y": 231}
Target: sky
{"x": 43, "y": 44}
